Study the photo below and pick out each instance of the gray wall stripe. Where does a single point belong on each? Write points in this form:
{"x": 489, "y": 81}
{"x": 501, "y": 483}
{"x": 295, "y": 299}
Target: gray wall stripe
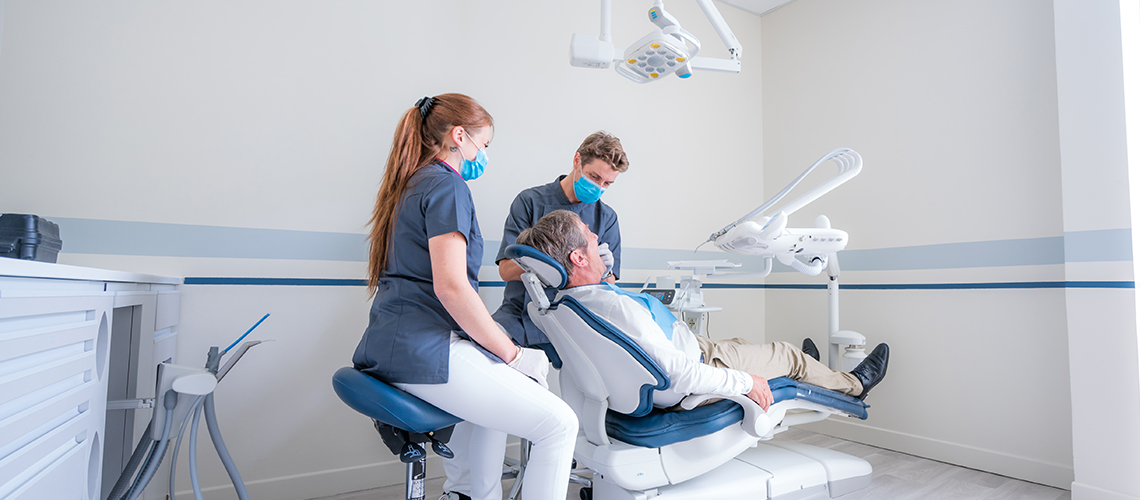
{"x": 1000, "y": 253}
{"x": 1105, "y": 245}
{"x": 184, "y": 240}
{"x": 92, "y": 236}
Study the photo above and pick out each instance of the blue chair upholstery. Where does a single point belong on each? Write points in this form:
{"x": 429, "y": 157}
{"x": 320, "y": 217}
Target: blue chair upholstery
{"x": 663, "y": 427}
{"x": 387, "y": 404}
{"x": 784, "y": 389}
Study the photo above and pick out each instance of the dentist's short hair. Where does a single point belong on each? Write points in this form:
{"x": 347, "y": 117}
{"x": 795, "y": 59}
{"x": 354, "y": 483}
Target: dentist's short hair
{"x": 602, "y": 146}
{"x": 556, "y": 234}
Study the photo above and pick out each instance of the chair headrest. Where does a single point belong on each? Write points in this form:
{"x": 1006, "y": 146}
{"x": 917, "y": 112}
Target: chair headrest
{"x": 548, "y": 270}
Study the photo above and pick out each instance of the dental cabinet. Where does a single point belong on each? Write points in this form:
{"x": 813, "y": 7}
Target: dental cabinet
{"x": 78, "y": 354}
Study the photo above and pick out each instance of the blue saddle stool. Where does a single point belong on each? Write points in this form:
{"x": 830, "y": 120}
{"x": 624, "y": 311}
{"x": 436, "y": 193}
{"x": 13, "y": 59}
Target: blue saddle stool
{"x": 404, "y": 421}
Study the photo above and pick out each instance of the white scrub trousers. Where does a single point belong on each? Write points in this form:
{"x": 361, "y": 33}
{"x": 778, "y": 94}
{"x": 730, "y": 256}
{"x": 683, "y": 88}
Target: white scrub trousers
{"x": 496, "y": 400}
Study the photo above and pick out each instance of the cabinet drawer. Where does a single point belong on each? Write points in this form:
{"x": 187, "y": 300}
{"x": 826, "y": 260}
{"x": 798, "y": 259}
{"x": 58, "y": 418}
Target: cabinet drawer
{"x": 167, "y": 310}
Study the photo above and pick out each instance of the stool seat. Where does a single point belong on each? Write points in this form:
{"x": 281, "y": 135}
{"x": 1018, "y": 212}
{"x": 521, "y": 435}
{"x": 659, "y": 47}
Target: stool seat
{"x": 385, "y": 403}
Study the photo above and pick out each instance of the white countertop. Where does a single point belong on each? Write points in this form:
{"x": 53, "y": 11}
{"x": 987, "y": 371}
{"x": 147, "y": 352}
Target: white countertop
{"x": 19, "y": 268}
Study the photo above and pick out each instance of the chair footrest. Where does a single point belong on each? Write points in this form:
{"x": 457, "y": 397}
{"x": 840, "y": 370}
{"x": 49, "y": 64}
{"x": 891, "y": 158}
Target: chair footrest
{"x": 784, "y": 388}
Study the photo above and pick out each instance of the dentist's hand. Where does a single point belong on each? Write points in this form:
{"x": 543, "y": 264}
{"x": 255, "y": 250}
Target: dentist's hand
{"x": 532, "y": 363}
{"x": 607, "y": 257}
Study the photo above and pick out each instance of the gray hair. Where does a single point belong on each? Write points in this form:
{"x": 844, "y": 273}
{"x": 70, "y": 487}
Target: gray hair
{"x": 556, "y": 234}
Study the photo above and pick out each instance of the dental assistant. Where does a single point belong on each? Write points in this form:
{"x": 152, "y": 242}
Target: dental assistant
{"x": 595, "y": 166}
{"x": 428, "y": 331}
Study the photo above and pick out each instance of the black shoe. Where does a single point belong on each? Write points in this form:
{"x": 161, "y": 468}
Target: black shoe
{"x": 872, "y": 370}
{"x": 810, "y": 349}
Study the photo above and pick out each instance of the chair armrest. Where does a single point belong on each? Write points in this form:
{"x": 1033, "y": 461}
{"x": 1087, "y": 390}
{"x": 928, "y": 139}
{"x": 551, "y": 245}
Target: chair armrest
{"x": 756, "y": 422}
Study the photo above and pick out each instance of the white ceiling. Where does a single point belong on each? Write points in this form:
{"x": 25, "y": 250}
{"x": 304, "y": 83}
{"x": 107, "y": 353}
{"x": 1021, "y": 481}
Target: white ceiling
{"x": 758, "y": 7}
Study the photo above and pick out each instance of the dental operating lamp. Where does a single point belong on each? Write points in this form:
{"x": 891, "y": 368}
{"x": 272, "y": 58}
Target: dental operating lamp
{"x": 667, "y": 49}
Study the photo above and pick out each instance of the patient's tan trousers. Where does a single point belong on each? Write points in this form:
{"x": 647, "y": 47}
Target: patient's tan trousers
{"x": 778, "y": 359}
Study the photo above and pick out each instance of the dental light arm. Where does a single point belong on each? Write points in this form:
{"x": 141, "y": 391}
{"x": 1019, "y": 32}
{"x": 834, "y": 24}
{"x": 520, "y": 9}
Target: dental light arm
{"x": 668, "y": 49}
{"x": 730, "y": 65}
{"x": 805, "y": 250}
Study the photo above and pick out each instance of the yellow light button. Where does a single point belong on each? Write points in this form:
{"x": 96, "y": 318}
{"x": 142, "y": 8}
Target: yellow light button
{"x": 655, "y": 45}
{"x": 654, "y": 75}
{"x": 632, "y": 61}
{"x": 680, "y": 59}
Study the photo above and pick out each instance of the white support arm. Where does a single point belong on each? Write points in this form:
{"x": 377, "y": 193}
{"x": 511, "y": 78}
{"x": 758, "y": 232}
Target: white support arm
{"x": 850, "y": 164}
{"x": 722, "y": 29}
{"x": 607, "y": 16}
{"x": 594, "y": 421}
{"x": 714, "y": 64}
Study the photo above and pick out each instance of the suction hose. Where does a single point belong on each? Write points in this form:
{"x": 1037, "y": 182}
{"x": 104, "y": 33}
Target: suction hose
{"x": 136, "y": 458}
{"x": 194, "y": 408}
{"x": 169, "y": 401}
{"x": 216, "y": 436}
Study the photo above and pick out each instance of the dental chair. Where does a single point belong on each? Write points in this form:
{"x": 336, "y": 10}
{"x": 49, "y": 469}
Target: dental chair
{"x": 637, "y": 452}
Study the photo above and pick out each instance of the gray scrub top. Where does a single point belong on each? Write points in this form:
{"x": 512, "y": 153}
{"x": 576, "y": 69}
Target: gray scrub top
{"x": 409, "y": 331}
{"x": 529, "y": 206}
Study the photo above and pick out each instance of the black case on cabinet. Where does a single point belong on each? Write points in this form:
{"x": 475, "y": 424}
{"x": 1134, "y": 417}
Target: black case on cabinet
{"x": 29, "y": 237}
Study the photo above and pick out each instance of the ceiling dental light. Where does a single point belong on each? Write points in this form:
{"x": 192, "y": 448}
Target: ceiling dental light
{"x": 668, "y": 49}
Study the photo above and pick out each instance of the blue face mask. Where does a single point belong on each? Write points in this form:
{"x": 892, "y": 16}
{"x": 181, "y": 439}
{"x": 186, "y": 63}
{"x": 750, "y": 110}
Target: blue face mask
{"x": 586, "y": 190}
{"x": 472, "y": 169}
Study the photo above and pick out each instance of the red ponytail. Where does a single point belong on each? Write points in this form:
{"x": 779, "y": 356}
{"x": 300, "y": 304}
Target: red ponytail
{"x": 419, "y": 139}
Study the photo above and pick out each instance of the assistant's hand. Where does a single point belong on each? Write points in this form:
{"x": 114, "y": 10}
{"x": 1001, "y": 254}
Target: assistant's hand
{"x": 533, "y": 363}
{"x": 607, "y": 256}
{"x": 760, "y": 393}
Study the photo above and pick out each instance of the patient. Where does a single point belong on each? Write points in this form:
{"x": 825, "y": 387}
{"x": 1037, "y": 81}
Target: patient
{"x": 694, "y": 364}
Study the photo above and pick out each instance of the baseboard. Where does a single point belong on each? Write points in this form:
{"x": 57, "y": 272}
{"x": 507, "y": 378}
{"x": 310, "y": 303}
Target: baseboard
{"x": 333, "y": 481}
{"x": 1005, "y": 464}
{"x": 1087, "y": 492}
{"x": 323, "y": 483}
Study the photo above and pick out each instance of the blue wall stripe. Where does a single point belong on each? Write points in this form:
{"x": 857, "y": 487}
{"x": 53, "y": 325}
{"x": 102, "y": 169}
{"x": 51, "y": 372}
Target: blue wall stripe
{"x": 106, "y": 237}
{"x": 730, "y": 286}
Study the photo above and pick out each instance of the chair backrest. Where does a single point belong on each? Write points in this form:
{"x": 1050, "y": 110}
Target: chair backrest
{"x": 605, "y": 364}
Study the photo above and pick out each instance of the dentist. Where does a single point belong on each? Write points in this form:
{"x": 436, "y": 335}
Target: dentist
{"x": 596, "y": 166}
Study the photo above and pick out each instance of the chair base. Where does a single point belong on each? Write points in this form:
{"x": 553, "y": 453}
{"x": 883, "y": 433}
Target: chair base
{"x": 777, "y": 471}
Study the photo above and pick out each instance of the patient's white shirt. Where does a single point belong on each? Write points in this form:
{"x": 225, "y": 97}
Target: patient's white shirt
{"x": 679, "y": 358}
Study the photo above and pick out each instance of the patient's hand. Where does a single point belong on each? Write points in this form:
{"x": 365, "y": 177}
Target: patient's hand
{"x": 760, "y": 393}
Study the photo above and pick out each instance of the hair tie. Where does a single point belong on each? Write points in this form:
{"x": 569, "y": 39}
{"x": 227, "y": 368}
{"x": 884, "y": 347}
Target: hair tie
{"x": 425, "y": 105}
